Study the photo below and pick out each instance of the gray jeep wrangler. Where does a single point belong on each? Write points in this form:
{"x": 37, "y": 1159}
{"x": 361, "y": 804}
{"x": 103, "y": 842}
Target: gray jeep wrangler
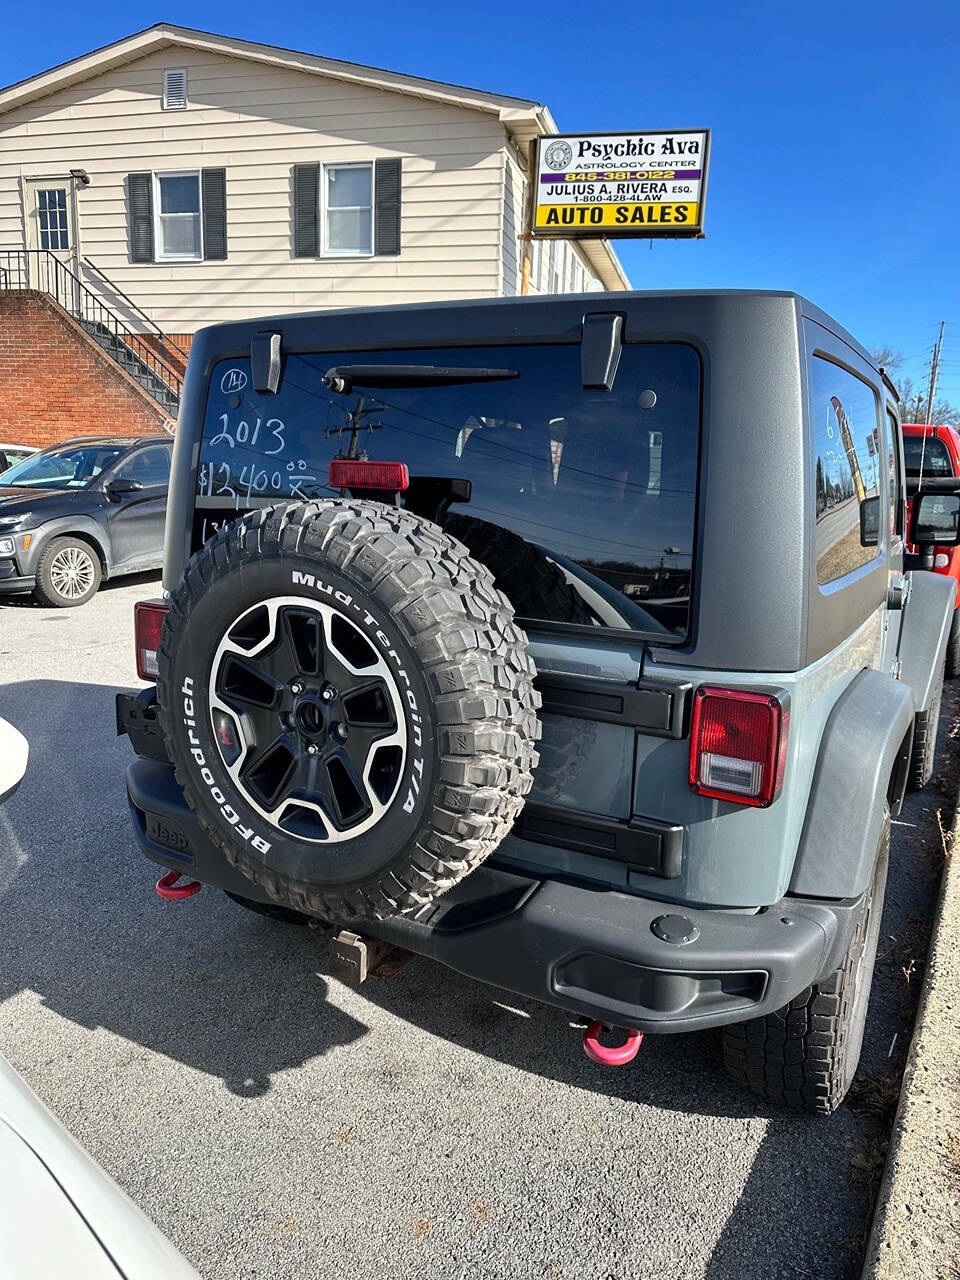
{"x": 566, "y": 641}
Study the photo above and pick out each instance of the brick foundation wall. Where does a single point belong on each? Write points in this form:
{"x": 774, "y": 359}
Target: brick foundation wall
{"x": 55, "y": 382}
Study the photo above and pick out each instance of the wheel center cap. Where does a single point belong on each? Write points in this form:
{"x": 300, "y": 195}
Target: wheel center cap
{"x": 311, "y": 715}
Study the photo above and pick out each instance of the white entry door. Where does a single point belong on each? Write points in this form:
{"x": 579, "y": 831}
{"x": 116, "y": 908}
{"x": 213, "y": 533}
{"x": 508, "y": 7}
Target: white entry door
{"x": 50, "y": 225}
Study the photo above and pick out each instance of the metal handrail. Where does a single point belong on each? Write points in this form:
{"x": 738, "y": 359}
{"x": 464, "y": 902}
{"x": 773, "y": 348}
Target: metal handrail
{"x": 164, "y": 337}
{"x": 41, "y": 269}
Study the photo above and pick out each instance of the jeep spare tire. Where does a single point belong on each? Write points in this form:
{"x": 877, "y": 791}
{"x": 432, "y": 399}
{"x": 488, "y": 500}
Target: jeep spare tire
{"x": 348, "y": 704}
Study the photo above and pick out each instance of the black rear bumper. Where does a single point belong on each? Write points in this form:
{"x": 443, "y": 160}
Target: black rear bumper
{"x": 588, "y": 950}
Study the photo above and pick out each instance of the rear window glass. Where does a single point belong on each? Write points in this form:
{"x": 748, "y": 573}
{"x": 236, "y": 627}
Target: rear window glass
{"x": 936, "y": 459}
{"x": 584, "y": 501}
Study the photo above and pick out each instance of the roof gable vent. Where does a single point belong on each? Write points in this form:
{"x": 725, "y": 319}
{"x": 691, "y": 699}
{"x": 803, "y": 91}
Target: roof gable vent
{"x": 174, "y": 89}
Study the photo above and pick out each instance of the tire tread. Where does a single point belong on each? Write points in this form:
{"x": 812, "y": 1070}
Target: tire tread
{"x": 800, "y": 1056}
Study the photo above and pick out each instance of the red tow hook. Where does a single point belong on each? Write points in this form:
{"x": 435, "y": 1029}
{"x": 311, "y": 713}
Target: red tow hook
{"x": 617, "y": 1055}
{"x": 168, "y": 889}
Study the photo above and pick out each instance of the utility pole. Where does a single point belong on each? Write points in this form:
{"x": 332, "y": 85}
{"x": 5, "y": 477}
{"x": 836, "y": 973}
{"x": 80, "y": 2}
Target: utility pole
{"x": 355, "y": 423}
{"x": 934, "y": 370}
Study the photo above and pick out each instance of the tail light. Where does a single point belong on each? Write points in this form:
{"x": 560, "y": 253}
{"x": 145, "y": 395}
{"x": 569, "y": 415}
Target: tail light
{"x": 738, "y": 745}
{"x": 356, "y": 473}
{"x": 148, "y": 616}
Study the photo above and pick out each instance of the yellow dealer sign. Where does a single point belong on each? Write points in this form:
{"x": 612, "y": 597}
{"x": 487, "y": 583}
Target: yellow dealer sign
{"x": 620, "y": 184}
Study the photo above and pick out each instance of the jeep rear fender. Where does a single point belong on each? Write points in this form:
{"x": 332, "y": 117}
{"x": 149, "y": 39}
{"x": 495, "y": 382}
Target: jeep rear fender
{"x": 863, "y": 761}
{"x": 927, "y": 617}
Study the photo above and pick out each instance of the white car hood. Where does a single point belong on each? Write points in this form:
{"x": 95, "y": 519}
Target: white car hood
{"x": 42, "y": 1234}
{"x": 13, "y": 759}
{"x": 61, "y": 1214}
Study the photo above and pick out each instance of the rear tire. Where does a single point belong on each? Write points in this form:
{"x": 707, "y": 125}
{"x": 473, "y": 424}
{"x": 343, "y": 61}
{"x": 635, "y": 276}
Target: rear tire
{"x": 926, "y": 724}
{"x": 283, "y": 656}
{"x": 953, "y": 648}
{"x": 805, "y": 1055}
{"x": 68, "y": 573}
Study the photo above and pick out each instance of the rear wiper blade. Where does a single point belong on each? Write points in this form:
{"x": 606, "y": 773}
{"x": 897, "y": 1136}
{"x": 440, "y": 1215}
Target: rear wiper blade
{"x": 342, "y": 378}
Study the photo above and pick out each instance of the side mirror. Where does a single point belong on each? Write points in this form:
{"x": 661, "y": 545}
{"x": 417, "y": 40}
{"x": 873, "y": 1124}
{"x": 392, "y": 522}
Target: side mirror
{"x": 870, "y": 522}
{"x": 121, "y": 487}
{"x": 935, "y": 520}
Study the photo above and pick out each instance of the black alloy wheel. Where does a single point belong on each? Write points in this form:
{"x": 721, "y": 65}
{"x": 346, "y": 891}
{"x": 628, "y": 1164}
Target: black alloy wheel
{"x": 307, "y": 719}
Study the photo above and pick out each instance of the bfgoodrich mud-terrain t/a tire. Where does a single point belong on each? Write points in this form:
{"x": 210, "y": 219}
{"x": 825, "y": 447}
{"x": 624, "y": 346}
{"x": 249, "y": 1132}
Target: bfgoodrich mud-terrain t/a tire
{"x": 805, "y": 1055}
{"x": 924, "y": 750}
{"x": 348, "y": 704}
{"x": 952, "y": 667}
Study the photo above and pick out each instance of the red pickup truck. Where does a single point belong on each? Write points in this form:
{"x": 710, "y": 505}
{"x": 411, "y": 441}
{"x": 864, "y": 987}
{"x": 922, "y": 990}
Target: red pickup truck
{"x": 939, "y": 448}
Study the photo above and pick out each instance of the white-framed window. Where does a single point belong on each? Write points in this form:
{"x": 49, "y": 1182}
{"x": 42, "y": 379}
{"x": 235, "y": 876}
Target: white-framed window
{"x": 52, "y": 216}
{"x": 346, "y": 210}
{"x": 174, "y": 88}
{"x": 178, "y": 225}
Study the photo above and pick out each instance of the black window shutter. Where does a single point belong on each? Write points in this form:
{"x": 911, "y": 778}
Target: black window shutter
{"x": 387, "y": 214}
{"x": 214, "y": 183}
{"x": 306, "y": 210}
{"x": 140, "y": 195}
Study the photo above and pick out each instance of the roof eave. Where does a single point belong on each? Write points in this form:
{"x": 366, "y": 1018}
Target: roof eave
{"x": 165, "y": 34}
{"x": 78, "y": 69}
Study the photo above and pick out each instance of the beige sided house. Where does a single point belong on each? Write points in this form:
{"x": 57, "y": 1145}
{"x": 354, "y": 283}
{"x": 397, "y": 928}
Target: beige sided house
{"x": 176, "y": 178}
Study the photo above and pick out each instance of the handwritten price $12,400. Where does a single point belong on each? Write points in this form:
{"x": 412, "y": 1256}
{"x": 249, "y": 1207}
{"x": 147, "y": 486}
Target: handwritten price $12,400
{"x": 218, "y": 481}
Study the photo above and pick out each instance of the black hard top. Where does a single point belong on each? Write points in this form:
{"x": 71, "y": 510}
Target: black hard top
{"x": 757, "y": 605}
{"x": 512, "y": 318}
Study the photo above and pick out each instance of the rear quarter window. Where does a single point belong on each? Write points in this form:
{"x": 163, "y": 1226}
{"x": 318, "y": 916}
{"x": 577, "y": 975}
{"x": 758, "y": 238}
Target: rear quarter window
{"x": 585, "y": 501}
{"x": 848, "y": 461}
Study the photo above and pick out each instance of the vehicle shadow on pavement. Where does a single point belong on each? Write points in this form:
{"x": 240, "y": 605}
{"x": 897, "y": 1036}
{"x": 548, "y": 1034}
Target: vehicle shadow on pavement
{"x": 217, "y": 989}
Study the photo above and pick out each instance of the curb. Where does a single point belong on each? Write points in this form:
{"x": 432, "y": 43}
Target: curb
{"x": 916, "y": 1224}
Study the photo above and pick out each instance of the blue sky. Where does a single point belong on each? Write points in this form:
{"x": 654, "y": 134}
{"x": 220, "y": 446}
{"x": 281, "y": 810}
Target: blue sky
{"x": 836, "y": 126}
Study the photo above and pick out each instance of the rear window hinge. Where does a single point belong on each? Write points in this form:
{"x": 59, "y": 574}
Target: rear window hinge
{"x": 600, "y": 344}
{"x": 265, "y": 362}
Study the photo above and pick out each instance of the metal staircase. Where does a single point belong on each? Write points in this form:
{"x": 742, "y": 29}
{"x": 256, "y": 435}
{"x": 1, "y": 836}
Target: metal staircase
{"x": 137, "y": 354}
{"x": 166, "y": 393}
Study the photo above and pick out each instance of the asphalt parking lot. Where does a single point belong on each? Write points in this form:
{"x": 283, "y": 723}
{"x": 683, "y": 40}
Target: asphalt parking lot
{"x": 276, "y": 1123}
